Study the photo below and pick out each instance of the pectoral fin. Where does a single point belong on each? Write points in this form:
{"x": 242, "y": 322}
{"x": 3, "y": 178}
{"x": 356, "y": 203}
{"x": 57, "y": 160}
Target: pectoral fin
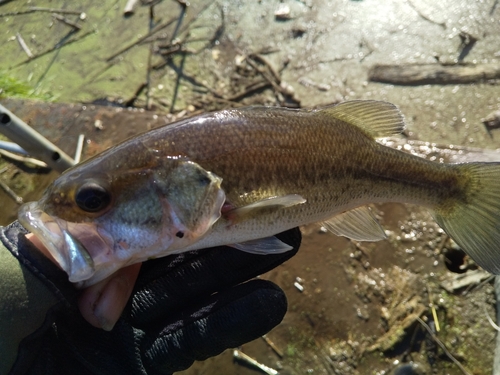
{"x": 359, "y": 224}
{"x": 269, "y": 245}
{"x": 237, "y": 214}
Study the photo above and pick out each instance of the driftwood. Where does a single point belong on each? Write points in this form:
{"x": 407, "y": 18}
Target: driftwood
{"x": 425, "y": 74}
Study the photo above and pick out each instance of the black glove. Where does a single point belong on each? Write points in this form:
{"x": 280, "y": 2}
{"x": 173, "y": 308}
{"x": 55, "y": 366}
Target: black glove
{"x": 184, "y": 308}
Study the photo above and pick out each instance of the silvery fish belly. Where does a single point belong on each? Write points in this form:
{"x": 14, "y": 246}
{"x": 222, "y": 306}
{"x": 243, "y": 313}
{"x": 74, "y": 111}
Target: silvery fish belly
{"x": 238, "y": 177}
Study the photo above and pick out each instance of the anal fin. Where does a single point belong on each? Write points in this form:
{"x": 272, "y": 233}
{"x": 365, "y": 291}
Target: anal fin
{"x": 268, "y": 245}
{"x": 358, "y": 224}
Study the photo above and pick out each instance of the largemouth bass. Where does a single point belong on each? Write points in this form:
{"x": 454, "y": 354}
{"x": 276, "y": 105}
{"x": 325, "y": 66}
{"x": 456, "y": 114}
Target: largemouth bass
{"x": 237, "y": 177}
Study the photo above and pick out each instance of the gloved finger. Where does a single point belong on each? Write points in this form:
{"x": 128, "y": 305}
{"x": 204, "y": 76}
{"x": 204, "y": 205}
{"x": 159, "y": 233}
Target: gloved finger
{"x": 226, "y": 320}
{"x": 168, "y": 285}
{"x": 102, "y": 304}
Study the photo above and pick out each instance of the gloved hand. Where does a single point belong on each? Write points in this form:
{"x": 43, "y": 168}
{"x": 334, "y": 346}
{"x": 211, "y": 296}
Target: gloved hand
{"x": 183, "y": 308}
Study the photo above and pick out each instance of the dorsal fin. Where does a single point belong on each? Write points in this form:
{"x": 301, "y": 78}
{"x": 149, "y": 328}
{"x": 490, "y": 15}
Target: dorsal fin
{"x": 376, "y": 118}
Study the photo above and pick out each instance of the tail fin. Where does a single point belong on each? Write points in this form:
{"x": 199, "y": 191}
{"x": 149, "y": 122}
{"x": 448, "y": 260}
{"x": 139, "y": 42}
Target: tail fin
{"x": 474, "y": 223}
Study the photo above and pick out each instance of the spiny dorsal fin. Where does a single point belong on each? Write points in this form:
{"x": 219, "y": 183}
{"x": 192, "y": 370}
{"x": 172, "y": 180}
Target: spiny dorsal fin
{"x": 359, "y": 224}
{"x": 378, "y": 119}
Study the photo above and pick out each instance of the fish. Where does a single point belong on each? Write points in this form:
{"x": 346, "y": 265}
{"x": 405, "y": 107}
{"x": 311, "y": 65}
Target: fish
{"x": 238, "y": 177}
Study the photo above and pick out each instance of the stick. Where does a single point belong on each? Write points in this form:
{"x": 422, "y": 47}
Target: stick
{"x": 129, "y": 7}
{"x": 141, "y": 39}
{"x": 57, "y": 46}
{"x": 41, "y": 9}
{"x": 11, "y": 193}
{"x": 66, "y": 21}
{"x": 286, "y": 91}
{"x": 273, "y": 346}
{"x": 442, "y": 24}
{"x": 247, "y": 359}
{"x": 79, "y": 148}
{"x": 433, "y": 309}
{"x": 440, "y": 343}
{"x": 256, "y": 87}
{"x": 433, "y": 74}
{"x": 23, "y": 45}
{"x": 264, "y": 74}
{"x": 24, "y": 159}
{"x": 266, "y": 62}
{"x": 130, "y": 102}
{"x": 53, "y": 10}
{"x": 177, "y": 82}
{"x": 150, "y": 58}
{"x": 179, "y": 22}
{"x": 492, "y": 323}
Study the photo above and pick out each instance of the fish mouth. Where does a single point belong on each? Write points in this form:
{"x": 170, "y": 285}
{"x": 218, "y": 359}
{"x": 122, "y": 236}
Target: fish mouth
{"x": 61, "y": 240}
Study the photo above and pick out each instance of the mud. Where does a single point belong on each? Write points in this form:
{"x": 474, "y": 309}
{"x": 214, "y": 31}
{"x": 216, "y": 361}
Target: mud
{"x": 357, "y": 313}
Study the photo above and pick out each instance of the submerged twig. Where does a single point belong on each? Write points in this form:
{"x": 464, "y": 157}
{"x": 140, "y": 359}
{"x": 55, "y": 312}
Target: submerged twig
{"x": 266, "y": 62}
{"x": 433, "y": 310}
{"x": 9, "y": 191}
{"x": 237, "y": 354}
{"x": 41, "y": 9}
{"x": 177, "y": 83}
{"x": 54, "y": 10}
{"x": 57, "y": 46}
{"x": 129, "y": 7}
{"x": 140, "y": 89}
{"x": 442, "y": 346}
{"x": 273, "y": 82}
{"x": 273, "y": 346}
{"x": 274, "y": 79}
{"x": 23, "y": 159}
{"x": 249, "y": 90}
{"x": 150, "y": 58}
{"x": 79, "y": 148}
{"x": 175, "y": 45}
{"x": 492, "y": 323}
{"x": 159, "y": 27}
{"x": 442, "y": 24}
{"x": 66, "y": 21}
{"x": 23, "y": 45}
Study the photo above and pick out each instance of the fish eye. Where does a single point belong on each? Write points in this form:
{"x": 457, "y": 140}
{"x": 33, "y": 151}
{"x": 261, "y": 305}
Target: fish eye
{"x": 92, "y": 197}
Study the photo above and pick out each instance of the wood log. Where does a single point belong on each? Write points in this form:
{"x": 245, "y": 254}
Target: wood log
{"x": 432, "y": 74}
